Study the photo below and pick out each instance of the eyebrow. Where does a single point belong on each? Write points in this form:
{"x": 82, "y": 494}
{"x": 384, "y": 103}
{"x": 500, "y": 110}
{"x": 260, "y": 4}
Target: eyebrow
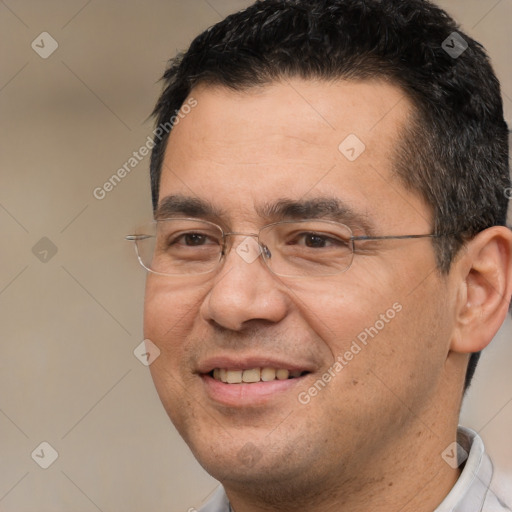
{"x": 324, "y": 207}
{"x": 176, "y": 205}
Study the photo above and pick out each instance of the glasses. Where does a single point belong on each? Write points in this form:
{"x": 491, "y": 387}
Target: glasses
{"x": 303, "y": 248}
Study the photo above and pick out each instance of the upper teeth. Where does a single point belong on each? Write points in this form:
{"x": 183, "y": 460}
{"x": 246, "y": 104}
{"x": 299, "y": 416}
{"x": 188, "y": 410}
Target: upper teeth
{"x": 253, "y": 375}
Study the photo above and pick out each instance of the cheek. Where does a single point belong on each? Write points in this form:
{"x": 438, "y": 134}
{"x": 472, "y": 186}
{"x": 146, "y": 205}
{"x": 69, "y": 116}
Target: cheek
{"x": 170, "y": 306}
{"x": 383, "y": 325}
{"x": 170, "y": 310}
{"x": 348, "y": 310}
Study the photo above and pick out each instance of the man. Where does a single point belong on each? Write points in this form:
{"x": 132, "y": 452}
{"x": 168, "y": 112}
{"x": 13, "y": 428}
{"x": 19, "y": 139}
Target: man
{"x": 329, "y": 255}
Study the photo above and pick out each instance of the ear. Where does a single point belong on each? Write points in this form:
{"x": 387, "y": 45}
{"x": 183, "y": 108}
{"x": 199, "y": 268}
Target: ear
{"x": 484, "y": 273}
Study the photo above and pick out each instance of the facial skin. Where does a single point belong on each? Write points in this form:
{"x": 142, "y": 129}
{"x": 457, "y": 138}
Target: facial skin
{"x": 372, "y": 437}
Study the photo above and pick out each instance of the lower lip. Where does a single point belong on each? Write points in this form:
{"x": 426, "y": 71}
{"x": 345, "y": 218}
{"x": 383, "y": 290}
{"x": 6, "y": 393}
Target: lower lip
{"x": 247, "y": 394}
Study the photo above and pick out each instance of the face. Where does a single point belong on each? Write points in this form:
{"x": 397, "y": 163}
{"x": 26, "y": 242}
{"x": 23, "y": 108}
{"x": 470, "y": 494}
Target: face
{"x": 365, "y": 348}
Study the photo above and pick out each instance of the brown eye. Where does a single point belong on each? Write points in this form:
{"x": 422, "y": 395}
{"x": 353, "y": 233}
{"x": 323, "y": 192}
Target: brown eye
{"x": 315, "y": 240}
{"x": 194, "y": 239}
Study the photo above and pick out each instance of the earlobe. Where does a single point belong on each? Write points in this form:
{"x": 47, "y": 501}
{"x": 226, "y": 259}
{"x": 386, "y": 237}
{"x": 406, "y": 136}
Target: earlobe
{"x": 485, "y": 289}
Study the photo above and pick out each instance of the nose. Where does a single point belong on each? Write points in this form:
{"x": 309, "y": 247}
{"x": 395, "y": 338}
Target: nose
{"x": 245, "y": 290}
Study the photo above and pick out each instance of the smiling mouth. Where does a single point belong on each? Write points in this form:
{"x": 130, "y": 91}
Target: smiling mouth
{"x": 253, "y": 375}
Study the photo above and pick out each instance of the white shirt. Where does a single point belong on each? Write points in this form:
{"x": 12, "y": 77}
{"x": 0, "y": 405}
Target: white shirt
{"x": 471, "y": 493}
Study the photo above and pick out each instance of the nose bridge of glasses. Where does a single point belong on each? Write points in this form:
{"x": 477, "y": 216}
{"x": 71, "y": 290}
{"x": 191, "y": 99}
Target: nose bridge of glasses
{"x": 232, "y": 234}
{"x": 263, "y": 249}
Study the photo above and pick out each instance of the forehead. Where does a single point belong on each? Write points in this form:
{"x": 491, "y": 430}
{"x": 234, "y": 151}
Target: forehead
{"x": 289, "y": 140}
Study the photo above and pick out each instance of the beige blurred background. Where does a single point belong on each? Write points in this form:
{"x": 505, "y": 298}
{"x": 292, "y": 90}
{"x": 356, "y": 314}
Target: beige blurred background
{"x": 71, "y": 292}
